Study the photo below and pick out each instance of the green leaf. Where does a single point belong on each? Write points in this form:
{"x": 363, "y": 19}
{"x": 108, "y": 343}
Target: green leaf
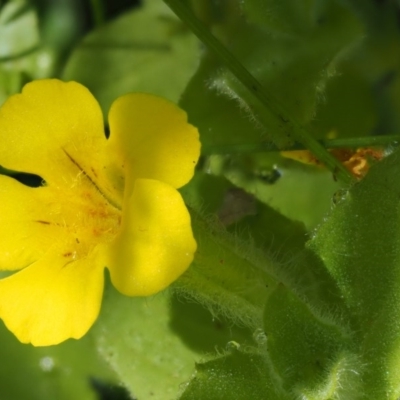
{"x": 61, "y": 372}
{"x": 19, "y": 42}
{"x": 221, "y": 119}
{"x": 244, "y": 215}
{"x": 237, "y": 375}
{"x": 134, "y": 336}
{"x": 200, "y": 330}
{"x": 145, "y": 50}
{"x": 296, "y": 55}
{"x": 310, "y": 351}
{"x": 293, "y": 65}
{"x": 347, "y": 92}
{"x": 359, "y": 244}
{"x": 369, "y": 81}
{"x": 229, "y": 275}
{"x": 152, "y": 343}
{"x": 18, "y": 30}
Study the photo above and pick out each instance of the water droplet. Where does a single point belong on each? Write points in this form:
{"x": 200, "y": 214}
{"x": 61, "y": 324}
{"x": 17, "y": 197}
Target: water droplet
{"x": 259, "y": 336}
{"x": 46, "y": 364}
{"x": 339, "y": 196}
{"x": 44, "y": 60}
{"x": 232, "y": 345}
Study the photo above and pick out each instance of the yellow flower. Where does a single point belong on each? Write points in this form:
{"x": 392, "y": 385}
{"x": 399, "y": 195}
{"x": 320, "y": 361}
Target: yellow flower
{"x": 104, "y": 203}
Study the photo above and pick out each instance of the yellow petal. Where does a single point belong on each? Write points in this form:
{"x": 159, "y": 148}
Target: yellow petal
{"x": 33, "y": 220}
{"x": 55, "y": 130}
{"x": 155, "y": 244}
{"x": 153, "y": 138}
{"x": 52, "y": 300}
{"x": 29, "y": 223}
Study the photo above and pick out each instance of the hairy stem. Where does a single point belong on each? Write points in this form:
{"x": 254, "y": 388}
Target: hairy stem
{"x": 366, "y": 141}
{"x": 256, "y": 90}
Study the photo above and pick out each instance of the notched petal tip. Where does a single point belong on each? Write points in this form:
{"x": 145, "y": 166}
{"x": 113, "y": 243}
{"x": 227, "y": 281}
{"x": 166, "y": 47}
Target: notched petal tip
{"x": 46, "y": 117}
{"x": 152, "y": 135}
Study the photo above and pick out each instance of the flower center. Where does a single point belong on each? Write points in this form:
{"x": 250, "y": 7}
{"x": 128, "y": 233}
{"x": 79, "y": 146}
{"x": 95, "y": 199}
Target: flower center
{"x": 96, "y": 221}
{"x": 85, "y": 215}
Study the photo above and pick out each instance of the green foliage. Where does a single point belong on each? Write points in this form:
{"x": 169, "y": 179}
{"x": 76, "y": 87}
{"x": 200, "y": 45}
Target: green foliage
{"x": 134, "y": 337}
{"x": 62, "y": 372}
{"x": 349, "y": 350}
{"x": 228, "y": 275}
{"x": 365, "y": 266}
{"x": 235, "y": 376}
{"x": 306, "y": 347}
{"x": 19, "y": 40}
{"x": 156, "y": 340}
{"x": 293, "y": 64}
{"x": 131, "y": 59}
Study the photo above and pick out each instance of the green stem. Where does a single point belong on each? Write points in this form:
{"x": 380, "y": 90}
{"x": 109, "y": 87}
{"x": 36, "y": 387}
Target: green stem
{"x": 365, "y": 141}
{"x": 299, "y": 133}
